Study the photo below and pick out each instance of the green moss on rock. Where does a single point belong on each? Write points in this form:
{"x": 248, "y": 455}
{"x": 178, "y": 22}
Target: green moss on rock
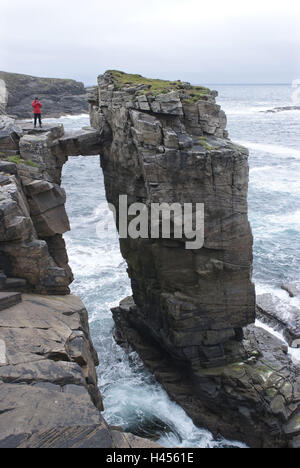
{"x": 156, "y": 86}
{"x": 202, "y": 141}
{"x": 18, "y": 160}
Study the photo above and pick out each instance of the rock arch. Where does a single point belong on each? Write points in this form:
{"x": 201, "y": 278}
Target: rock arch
{"x": 162, "y": 142}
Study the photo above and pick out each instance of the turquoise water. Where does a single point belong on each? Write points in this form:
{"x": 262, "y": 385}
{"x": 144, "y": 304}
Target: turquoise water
{"x": 132, "y": 398}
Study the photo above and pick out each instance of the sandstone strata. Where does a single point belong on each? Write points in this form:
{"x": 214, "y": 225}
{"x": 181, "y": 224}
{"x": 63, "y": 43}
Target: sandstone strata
{"x": 191, "y": 309}
{"x": 280, "y": 315}
{"x": 49, "y": 397}
{"x": 167, "y": 142}
{"x": 32, "y": 203}
{"x": 59, "y": 96}
{"x": 292, "y": 288}
{"x": 170, "y": 145}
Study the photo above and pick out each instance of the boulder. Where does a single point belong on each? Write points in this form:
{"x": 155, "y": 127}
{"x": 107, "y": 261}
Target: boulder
{"x": 47, "y": 208}
{"x": 280, "y": 315}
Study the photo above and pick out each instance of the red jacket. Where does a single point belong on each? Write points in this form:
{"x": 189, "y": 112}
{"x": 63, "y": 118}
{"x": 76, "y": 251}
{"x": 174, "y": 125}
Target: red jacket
{"x": 37, "y": 107}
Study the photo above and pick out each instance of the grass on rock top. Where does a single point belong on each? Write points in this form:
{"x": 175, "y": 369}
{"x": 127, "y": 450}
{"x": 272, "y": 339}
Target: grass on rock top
{"x": 156, "y": 86}
{"x": 18, "y": 160}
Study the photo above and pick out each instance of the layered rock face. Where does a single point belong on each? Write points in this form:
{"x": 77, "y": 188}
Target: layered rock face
{"x": 165, "y": 142}
{"x": 32, "y": 203}
{"x": 59, "y": 97}
{"x": 3, "y": 96}
{"x": 159, "y": 142}
{"x": 172, "y": 147}
{"x": 49, "y": 397}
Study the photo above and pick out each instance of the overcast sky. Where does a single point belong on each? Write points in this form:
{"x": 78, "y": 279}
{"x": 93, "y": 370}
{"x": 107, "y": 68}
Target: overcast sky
{"x": 209, "y": 41}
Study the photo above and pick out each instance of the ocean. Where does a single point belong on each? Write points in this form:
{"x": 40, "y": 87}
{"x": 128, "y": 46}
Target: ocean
{"x": 132, "y": 397}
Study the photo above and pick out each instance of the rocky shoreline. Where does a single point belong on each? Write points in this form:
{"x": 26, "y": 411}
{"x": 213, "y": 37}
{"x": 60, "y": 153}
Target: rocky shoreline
{"x": 254, "y": 399}
{"x": 192, "y": 312}
{"x": 49, "y": 396}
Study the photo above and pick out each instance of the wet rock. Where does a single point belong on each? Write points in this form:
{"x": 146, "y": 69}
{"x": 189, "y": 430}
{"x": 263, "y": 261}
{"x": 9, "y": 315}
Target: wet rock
{"x": 281, "y": 315}
{"x": 292, "y": 288}
{"x": 32, "y": 204}
{"x": 248, "y": 400}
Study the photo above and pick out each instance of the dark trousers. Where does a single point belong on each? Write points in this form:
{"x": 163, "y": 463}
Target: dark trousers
{"x": 39, "y": 118}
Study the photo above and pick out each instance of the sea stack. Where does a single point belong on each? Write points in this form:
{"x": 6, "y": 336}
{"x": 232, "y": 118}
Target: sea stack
{"x": 166, "y": 142}
{"x": 191, "y": 312}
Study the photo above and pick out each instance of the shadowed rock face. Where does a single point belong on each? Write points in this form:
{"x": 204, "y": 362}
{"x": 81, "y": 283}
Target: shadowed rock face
{"x": 169, "y": 147}
{"x": 166, "y": 142}
{"x": 159, "y": 142}
{"x": 32, "y": 204}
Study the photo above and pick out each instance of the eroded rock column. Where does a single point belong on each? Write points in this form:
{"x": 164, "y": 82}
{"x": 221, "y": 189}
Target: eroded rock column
{"x": 173, "y": 147}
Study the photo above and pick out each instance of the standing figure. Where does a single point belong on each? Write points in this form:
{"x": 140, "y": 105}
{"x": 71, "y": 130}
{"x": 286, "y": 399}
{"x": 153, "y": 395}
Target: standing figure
{"x": 37, "y": 105}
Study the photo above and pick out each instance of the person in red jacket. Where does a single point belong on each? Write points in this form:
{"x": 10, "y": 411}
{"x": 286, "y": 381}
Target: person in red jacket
{"x": 37, "y": 105}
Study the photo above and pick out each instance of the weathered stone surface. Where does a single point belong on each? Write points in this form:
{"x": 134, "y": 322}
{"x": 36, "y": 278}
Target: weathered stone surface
{"x": 282, "y": 109}
{"x": 127, "y": 440}
{"x": 59, "y": 96}
{"x": 27, "y": 256}
{"x": 58, "y": 373}
{"x": 193, "y": 302}
{"x": 280, "y": 315}
{"x": 252, "y": 399}
{"x": 36, "y": 336}
{"x": 47, "y": 208}
{"x": 49, "y": 396}
{"x": 50, "y": 147}
{"x": 81, "y": 142}
{"x": 8, "y": 299}
{"x": 24, "y": 409}
{"x": 32, "y": 204}
{"x": 10, "y": 134}
{"x": 191, "y": 305}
